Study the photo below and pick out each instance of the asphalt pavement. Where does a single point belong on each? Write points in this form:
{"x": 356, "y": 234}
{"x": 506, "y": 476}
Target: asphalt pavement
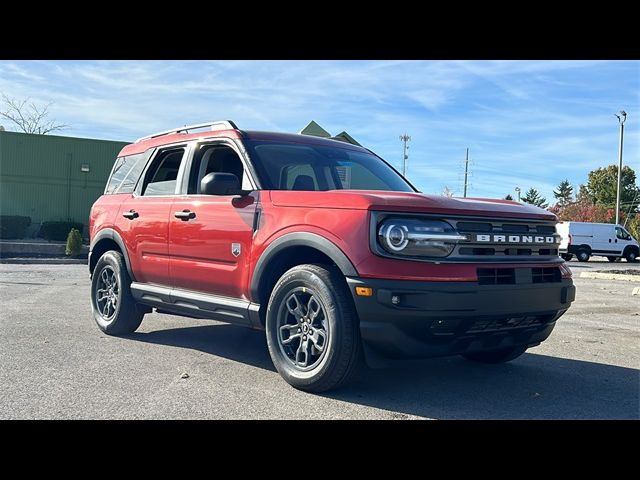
{"x": 55, "y": 363}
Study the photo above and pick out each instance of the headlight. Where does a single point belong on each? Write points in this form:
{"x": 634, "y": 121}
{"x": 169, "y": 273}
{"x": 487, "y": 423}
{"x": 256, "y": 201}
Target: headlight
{"x": 415, "y": 237}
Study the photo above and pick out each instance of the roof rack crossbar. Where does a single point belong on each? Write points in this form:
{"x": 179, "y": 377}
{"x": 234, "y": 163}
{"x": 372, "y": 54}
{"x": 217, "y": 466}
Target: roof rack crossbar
{"x": 218, "y": 125}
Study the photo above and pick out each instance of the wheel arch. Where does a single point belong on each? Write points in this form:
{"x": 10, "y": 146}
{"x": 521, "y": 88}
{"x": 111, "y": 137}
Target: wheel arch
{"x": 290, "y": 250}
{"x": 105, "y": 240}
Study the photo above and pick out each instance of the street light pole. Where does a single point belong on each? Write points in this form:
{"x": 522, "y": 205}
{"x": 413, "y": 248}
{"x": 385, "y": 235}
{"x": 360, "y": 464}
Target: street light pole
{"x": 622, "y": 116}
{"x": 518, "y": 192}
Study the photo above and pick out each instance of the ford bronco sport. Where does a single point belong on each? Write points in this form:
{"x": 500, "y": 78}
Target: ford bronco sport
{"x": 323, "y": 245}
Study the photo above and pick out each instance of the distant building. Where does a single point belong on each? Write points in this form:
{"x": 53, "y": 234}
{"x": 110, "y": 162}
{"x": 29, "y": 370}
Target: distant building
{"x": 316, "y": 130}
{"x": 50, "y": 177}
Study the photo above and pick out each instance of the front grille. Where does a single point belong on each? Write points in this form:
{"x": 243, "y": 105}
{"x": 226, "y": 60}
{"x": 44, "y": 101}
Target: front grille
{"x": 505, "y": 240}
{"x": 512, "y": 276}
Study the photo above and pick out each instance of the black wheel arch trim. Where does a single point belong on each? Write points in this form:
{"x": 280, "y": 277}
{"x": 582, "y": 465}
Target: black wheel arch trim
{"x": 300, "y": 239}
{"x": 111, "y": 234}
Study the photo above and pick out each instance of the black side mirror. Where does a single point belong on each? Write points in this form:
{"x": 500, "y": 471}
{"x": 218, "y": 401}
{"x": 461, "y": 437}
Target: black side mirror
{"x": 220, "y": 183}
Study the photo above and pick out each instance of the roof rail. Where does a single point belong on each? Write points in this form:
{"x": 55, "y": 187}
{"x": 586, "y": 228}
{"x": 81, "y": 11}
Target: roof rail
{"x": 219, "y": 125}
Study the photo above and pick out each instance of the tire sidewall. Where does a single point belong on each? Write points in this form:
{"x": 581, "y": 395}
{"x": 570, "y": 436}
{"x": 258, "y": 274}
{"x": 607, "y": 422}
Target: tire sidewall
{"x": 318, "y": 287}
{"x": 583, "y": 256}
{"x": 108, "y": 259}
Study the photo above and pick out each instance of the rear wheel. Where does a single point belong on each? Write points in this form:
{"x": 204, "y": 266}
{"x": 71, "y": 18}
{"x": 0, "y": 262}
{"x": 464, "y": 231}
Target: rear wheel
{"x": 496, "y": 356}
{"x": 631, "y": 255}
{"x": 583, "y": 256}
{"x": 312, "y": 329}
{"x": 567, "y": 256}
{"x": 613, "y": 259}
{"x": 114, "y": 308}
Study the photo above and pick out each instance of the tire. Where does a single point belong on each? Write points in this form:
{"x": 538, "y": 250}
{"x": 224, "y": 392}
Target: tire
{"x": 567, "y": 256}
{"x": 613, "y": 259}
{"x": 583, "y": 256}
{"x": 312, "y": 299}
{"x": 496, "y": 356}
{"x": 631, "y": 255}
{"x": 123, "y": 316}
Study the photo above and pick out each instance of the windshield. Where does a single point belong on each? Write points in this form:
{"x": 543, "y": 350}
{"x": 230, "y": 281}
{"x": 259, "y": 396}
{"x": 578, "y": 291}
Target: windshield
{"x": 294, "y": 166}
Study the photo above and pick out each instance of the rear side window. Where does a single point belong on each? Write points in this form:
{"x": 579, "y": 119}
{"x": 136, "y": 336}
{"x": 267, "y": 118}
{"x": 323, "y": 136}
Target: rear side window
{"x": 162, "y": 175}
{"x": 125, "y": 174}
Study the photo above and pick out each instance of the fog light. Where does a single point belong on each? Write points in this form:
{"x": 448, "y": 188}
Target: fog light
{"x": 364, "y": 291}
{"x": 395, "y": 299}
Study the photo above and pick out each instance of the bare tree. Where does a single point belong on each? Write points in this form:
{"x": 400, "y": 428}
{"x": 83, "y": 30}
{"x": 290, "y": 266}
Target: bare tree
{"x": 29, "y": 117}
{"x": 447, "y": 192}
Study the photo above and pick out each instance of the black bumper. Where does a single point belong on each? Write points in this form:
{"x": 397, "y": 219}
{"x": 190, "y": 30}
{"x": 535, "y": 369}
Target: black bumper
{"x": 448, "y": 318}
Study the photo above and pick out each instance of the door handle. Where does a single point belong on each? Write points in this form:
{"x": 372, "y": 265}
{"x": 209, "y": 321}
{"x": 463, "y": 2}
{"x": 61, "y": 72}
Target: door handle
{"x": 609, "y": 240}
{"x": 131, "y": 214}
{"x": 185, "y": 215}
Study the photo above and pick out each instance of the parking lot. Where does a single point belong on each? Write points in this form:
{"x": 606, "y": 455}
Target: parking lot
{"x": 57, "y": 364}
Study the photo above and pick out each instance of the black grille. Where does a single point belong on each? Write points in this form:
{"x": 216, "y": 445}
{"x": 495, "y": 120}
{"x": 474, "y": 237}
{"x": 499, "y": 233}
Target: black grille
{"x": 509, "y": 323}
{"x": 499, "y": 248}
{"x": 511, "y": 276}
{"x": 496, "y": 276}
{"x": 546, "y": 275}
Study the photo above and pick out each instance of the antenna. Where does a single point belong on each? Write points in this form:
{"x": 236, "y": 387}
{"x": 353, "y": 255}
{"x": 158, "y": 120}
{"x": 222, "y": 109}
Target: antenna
{"x": 405, "y": 156}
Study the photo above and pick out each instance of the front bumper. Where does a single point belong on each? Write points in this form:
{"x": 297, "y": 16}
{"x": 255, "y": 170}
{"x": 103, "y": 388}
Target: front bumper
{"x": 448, "y": 318}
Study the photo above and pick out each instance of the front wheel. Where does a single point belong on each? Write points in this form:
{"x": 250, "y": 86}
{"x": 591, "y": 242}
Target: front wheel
{"x": 631, "y": 256}
{"x": 312, "y": 329}
{"x": 583, "y": 256}
{"x": 496, "y": 356}
{"x": 114, "y": 308}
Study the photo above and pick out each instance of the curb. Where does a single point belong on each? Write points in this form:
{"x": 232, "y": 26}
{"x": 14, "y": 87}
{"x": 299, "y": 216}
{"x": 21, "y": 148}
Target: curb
{"x": 44, "y": 261}
{"x": 610, "y": 276}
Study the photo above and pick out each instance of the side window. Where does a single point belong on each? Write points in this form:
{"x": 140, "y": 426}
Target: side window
{"x": 138, "y": 163}
{"x": 161, "y": 177}
{"x": 299, "y": 177}
{"x": 216, "y": 158}
{"x": 621, "y": 234}
{"x": 120, "y": 169}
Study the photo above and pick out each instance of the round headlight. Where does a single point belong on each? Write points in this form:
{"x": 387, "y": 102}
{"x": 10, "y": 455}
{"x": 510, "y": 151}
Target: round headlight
{"x": 396, "y": 236}
{"x": 417, "y": 237}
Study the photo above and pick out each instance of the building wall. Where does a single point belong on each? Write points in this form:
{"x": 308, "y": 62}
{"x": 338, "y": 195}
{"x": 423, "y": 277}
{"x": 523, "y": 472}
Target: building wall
{"x": 41, "y": 177}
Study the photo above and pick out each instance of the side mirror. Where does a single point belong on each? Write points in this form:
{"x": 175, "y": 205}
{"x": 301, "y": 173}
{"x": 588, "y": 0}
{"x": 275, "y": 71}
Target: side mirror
{"x": 220, "y": 183}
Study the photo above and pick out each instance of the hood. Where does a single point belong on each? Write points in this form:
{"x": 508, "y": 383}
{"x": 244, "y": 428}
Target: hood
{"x": 407, "y": 202}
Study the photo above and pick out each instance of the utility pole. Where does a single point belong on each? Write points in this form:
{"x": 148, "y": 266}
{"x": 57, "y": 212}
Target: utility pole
{"x": 622, "y": 116}
{"x": 405, "y": 138}
{"x": 466, "y": 173}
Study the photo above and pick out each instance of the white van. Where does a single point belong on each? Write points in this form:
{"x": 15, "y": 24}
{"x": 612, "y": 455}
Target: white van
{"x": 604, "y": 239}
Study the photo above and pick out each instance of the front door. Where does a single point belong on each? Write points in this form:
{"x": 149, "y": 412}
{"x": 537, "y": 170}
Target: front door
{"x": 143, "y": 219}
{"x": 210, "y": 236}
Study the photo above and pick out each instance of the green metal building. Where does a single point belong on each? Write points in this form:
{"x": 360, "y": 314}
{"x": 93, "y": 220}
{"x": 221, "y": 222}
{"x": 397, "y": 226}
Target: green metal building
{"x": 49, "y": 177}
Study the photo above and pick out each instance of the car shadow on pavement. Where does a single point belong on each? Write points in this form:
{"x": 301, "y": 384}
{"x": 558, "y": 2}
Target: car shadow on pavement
{"x": 531, "y": 387}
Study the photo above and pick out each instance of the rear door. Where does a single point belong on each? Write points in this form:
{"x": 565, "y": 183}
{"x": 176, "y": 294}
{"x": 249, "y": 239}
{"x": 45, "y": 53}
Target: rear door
{"x": 210, "y": 247}
{"x": 143, "y": 220}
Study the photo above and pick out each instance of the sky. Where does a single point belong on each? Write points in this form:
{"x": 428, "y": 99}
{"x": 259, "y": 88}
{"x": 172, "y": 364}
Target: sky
{"x": 526, "y": 123}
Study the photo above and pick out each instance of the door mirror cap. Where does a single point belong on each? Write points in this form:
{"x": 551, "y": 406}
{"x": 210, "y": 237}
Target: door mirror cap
{"x": 220, "y": 183}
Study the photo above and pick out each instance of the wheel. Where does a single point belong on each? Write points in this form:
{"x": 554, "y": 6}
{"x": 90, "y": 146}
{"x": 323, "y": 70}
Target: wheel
{"x": 496, "y": 356}
{"x": 312, "y": 329}
{"x": 583, "y": 256}
{"x": 114, "y": 308}
{"x": 567, "y": 256}
{"x": 631, "y": 255}
{"x": 613, "y": 259}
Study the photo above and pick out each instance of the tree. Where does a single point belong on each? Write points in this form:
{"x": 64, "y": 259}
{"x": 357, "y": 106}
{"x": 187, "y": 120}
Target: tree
{"x": 29, "y": 117}
{"x": 447, "y": 192}
{"x": 564, "y": 194}
{"x": 508, "y": 197}
{"x": 534, "y": 198}
{"x": 602, "y": 185}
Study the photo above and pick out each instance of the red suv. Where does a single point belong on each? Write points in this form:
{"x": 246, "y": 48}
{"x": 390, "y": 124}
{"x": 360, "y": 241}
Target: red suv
{"x": 323, "y": 245}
